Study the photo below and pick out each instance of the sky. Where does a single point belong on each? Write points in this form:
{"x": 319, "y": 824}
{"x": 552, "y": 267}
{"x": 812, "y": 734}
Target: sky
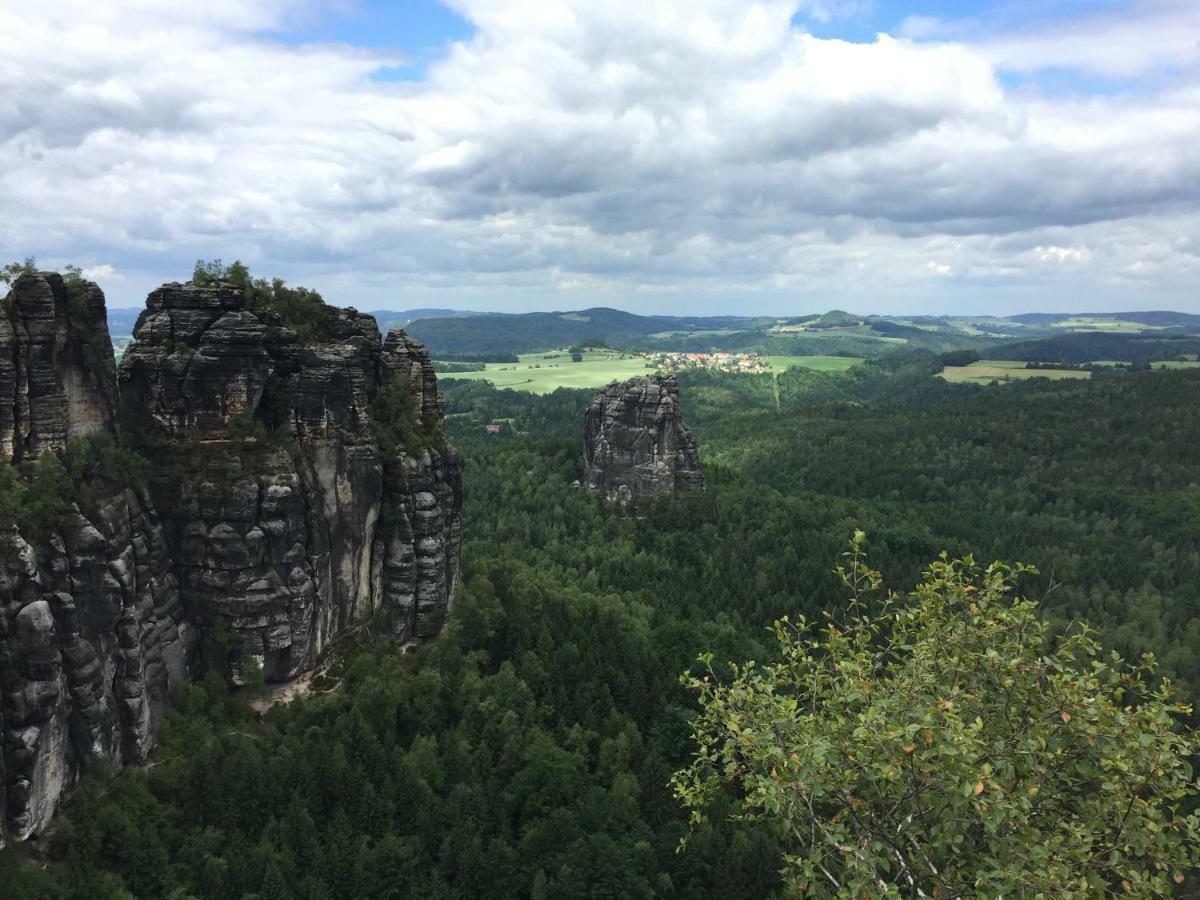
{"x": 668, "y": 156}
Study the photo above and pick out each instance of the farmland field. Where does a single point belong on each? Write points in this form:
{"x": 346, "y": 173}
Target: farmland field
{"x": 988, "y": 370}
{"x": 1159, "y": 364}
{"x": 820, "y": 363}
{"x": 541, "y": 373}
{"x": 1095, "y": 323}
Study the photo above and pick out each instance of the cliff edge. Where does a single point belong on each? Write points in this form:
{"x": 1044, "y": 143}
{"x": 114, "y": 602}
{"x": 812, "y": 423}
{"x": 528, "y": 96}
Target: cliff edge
{"x": 288, "y": 485}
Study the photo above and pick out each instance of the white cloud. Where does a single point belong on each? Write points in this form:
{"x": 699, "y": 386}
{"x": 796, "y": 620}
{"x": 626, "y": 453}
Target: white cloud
{"x": 1151, "y": 35}
{"x": 102, "y": 272}
{"x": 1052, "y": 253}
{"x": 673, "y": 150}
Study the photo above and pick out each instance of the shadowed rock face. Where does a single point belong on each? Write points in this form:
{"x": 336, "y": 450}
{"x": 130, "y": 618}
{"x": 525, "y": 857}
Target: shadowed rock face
{"x": 291, "y": 542}
{"x": 274, "y": 519}
{"x": 635, "y": 442}
{"x": 56, "y": 366}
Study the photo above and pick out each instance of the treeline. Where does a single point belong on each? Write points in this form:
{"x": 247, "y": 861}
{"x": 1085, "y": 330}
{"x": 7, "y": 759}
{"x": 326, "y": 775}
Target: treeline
{"x": 1085, "y": 347}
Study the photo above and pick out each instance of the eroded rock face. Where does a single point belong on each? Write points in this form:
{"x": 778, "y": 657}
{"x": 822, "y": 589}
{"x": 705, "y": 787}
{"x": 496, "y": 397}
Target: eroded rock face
{"x": 280, "y": 513}
{"x": 92, "y": 636}
{"x": 289, "y": 540}
{"x": 635, "y": 442}
{"x": 56, "y": 365}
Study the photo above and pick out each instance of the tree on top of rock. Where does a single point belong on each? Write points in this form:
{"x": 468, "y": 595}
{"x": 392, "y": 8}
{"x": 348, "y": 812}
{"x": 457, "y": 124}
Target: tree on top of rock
{"x": 302, "y": 310}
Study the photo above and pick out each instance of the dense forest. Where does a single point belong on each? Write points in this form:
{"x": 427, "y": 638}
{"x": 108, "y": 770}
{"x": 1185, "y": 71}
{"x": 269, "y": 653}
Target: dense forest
{"x": 530, "y": 751}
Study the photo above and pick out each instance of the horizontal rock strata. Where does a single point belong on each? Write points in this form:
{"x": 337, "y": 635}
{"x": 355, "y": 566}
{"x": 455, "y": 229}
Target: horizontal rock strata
{"x": 635, "y": 441}
{"x": 297, "y": 489}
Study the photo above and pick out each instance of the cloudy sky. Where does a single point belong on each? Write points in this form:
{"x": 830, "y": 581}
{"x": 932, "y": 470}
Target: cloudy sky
{"x": 777, "y": 156}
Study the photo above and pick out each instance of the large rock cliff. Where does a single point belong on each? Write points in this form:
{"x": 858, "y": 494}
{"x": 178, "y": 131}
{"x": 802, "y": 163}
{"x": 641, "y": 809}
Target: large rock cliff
{"x": 57, "y": 379}
{"x": 296, "y": 489}
{"x": 635, "y": 441}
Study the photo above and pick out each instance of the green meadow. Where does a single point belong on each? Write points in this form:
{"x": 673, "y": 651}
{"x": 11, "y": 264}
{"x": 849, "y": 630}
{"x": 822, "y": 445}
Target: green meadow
{"x": 986, "y": 371}
{"x": 541, "y": 373}
{"x": 820, "y": 363}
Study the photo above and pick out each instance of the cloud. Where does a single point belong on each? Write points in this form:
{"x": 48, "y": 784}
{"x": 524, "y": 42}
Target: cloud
{"x": 671, "y": 151}
{"x": 1113, "y": 41}
{"x": 102, "y": 272}
{"x": 1149, "y": 36}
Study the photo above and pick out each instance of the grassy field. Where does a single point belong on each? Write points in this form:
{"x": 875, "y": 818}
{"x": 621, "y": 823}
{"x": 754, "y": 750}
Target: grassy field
{"x": 820, "y": 363}
{"x": 988, "y": 370}
{"x": 1088, "y": 323}
{"x": 541, "y": 373}
{"x": 1165, "y": 364}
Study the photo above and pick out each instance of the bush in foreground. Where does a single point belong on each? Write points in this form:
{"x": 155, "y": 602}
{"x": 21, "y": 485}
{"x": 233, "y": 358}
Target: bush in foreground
{"x": 943, "y": 744}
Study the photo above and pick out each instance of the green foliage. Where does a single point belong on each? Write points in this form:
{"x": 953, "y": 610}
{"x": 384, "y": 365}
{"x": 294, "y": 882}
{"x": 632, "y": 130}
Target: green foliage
{"x": 452, "y": 366}
{"x": 14, "y": 270}
{"x": 12, "y": 495}
{"x": 94, "y": 466}
{"x": 300, "y": 309}
{"x": 1084, "y": 347}
{"x": 269, "y": 424}
{"x": 960, "y": 357}
{"x": 529, "y": 751}
{"x": 77, "y": 293}
{"x": 396, "y": 417}
{"x": 942, "y": 744}
{"x": 835, "y": 318}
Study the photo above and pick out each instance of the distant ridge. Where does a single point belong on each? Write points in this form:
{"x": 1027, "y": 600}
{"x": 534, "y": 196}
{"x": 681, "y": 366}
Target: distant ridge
{"x": 1159, "y": 318}
{"x": 527, "y": 332}
{"x": 1088, "y": 346}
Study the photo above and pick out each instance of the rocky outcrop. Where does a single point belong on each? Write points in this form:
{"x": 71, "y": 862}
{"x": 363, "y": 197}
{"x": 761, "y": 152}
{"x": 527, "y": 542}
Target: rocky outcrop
{"x": 308, "y": 523}
{"x": 635, "y": 442}
{"x": 92, "y": 636}
{"x": 93, "y": 639}
{"x": 297, "y": 489}
{"x": 56, "y": 365}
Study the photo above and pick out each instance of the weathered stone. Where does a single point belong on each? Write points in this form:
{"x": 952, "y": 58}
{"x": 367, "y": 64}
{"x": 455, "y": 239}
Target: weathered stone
{"x": 635, "y": 441}
{"x": 56, "y": 366}
{"x": 286, "y": 544}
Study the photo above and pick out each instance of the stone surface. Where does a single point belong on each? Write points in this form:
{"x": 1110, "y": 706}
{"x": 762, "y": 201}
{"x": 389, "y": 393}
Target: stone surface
{"x": 56, "y": 366}
{"x": 273, "y": 522}
{"x": 635, "y": 441}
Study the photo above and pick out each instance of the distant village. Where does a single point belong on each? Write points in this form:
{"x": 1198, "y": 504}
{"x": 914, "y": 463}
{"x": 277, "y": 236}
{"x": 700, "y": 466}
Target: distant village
{"x": 723, "y": 362}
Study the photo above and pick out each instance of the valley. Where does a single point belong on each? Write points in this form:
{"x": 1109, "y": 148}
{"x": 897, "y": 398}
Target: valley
{"x": 537, "y": 737}
{"x": 561, "y": 450}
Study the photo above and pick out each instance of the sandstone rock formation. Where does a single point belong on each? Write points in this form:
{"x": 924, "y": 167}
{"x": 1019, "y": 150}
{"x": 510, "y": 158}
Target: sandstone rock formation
{"x": 297, "y": 490}
{"x": 635, "y": 441}
{"x": 56, "y": 365}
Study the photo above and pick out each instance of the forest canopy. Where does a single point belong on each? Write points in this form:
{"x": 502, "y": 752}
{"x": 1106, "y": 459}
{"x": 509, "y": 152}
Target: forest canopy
{"x": 530, "y": 750}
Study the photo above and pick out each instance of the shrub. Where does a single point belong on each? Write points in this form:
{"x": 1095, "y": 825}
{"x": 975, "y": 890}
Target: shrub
{"x": 942, "y": 744}
{"x": 15, "y": 270}
{"x": 300, "y": 309}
